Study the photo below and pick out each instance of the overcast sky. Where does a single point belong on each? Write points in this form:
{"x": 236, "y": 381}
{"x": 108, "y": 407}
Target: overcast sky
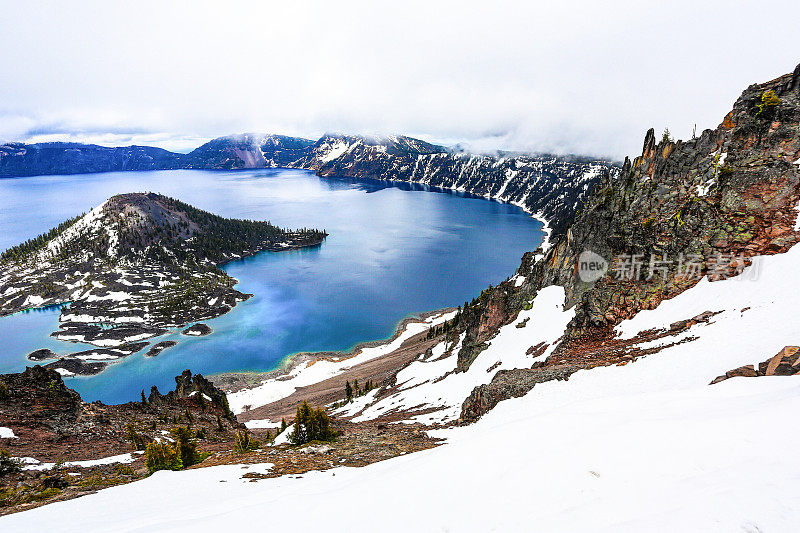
{"x": 581, "y": 77}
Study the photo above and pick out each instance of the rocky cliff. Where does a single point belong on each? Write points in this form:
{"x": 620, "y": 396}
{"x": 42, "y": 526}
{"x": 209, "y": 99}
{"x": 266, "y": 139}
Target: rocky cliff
{"x": 551, "y": 187}
{"x": 681, "y": 211}
{"x": 63, "y": 447}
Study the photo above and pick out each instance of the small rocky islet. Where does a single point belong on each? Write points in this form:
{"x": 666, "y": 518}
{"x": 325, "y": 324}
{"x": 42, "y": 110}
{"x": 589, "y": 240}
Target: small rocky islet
{"x": 198, "y": 330}
{"x": 159, "y": 347}
{"x": 133, "y": 268}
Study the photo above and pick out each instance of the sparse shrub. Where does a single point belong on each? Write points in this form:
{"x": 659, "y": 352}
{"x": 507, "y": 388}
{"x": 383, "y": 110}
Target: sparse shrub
{"x": 133, "y": 436}
{"x": 768, "y": 100}
{"x": 368, "y": 386}
{"x": 311, "y": 424}
{"x": 245, "y": 442}
{"x": 3, "y": 391}
{"x": 185, "y": 446}
{"x": 8, "y": 465}
{"x": 124, "y": 470}
{"x": 162, "y": 456}
{"x": 242, "y": 443}
{"x": 23, "y": 494}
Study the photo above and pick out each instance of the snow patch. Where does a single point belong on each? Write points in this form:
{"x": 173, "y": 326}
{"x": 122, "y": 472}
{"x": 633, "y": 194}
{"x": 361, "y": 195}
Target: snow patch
{"x": 315, "y": 371}
{"x": 34, "y": 464}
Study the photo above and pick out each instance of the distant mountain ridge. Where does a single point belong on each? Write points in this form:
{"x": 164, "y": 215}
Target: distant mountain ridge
{"x": 18, "y": 159}
{"x": 551, "y": 187}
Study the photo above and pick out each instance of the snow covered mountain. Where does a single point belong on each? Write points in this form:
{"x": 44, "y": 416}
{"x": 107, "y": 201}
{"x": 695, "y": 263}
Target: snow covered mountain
{"x": 549, "y": 187}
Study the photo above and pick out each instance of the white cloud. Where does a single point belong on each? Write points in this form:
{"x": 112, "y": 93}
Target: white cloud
{"x": 587, "y": 77}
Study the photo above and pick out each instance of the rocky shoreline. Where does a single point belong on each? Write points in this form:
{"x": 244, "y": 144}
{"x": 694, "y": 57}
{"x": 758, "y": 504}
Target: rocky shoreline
{"x": 232, "y": 382}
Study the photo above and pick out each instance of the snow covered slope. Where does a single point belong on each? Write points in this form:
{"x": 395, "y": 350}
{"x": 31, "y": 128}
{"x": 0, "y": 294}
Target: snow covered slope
{"x": 314, "y": 371}
{"x": 648, "y": 446}
{"x": 550, "y": 187}
{"x": 431, "y": 383}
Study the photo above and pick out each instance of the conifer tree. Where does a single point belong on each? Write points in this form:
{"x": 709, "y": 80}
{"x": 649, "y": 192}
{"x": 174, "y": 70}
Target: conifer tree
{"x": 348, "y": 391}
{"x": 311, "y": 424}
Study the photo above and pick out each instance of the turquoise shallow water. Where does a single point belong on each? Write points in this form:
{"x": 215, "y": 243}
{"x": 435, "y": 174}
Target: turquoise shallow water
{"x": 393, "y": 250}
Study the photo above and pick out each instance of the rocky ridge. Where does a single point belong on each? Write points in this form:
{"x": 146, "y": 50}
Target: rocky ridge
{"x": 550, "y": 187}
{"x": 19, "y": 159}
{"x": 711, "y": 203}
{"x": 63, "y": 447}
{"x": 67, "y": 447}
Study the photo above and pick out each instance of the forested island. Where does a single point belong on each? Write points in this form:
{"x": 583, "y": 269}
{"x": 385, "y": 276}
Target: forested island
{"x": 131, "y": 268}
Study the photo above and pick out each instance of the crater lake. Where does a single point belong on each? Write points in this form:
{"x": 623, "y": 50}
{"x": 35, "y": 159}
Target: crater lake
{"x": 394, "y": 250}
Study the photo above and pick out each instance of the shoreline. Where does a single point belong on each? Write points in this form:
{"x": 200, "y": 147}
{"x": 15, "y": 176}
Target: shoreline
{"x": 233, "y": 382}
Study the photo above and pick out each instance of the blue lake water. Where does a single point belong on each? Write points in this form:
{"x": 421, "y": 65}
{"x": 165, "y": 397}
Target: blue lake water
{"x": 393, "y": 250}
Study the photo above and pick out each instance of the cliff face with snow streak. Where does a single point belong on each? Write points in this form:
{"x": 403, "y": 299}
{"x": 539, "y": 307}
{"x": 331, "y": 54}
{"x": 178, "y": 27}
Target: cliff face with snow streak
{"x": 551, "y": 187}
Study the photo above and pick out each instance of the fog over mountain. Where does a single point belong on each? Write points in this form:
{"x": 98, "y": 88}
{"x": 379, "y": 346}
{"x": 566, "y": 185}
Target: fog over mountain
{"x": 577, "y": 77}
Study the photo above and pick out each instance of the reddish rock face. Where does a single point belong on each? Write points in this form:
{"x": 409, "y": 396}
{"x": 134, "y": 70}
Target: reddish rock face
{"x": 723, "y": 197}
{"x": 731, "y": 191}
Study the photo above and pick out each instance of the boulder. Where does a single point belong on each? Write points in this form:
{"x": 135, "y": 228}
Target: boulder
{"x": 784, "y": 363}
